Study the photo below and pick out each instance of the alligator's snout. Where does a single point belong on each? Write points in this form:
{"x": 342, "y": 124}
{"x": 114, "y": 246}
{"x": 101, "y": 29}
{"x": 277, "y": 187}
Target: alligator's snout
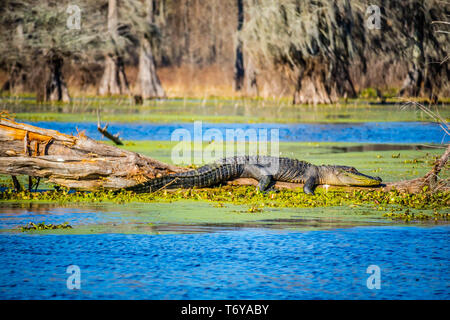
{"x": 347, "y": 176}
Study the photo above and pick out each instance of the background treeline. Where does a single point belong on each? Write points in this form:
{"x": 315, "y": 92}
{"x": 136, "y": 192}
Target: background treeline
{"x": 315, "y": 51}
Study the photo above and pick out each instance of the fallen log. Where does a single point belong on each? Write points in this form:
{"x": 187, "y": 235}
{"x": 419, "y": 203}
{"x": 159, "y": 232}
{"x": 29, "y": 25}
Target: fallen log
{"x": 81, "y": 163}
{"x": 292, "y": 186}
{"x": 408, "y": 186}
{"x": 76, "y": 162}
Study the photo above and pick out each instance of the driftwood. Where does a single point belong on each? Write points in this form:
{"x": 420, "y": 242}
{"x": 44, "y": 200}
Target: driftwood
{"x": 76, "y": 162}
{"x": 79, "y": 162}
{"x": 430, "y": 180}
{"x": 104, "y": 131}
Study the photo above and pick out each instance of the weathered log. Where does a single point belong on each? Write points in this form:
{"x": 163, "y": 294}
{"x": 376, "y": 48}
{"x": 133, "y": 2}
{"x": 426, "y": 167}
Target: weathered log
{"x": 76, "y": 162}
{"x": 292, "y": 186}
{"x": 430, "y": 180}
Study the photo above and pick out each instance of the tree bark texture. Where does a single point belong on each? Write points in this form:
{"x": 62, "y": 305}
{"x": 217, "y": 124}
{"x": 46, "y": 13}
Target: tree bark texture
{"x": 148, "y": 80}
{"x": 239, "y": 71}
{"x": 76, "y": 162}
{"x": 251, "y": 78}
{"x": 321, "y": 83}
{"x": 56, "y": 88}
{"x": 412, "y": 85}
{"x": 149, "y": 83}
{"x": 114, "y": 80}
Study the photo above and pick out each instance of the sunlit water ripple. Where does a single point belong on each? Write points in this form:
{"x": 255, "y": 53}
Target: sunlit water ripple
{"x": 243, "y": 264}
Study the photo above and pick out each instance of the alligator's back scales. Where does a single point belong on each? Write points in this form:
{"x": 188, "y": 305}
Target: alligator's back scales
{"x": 265, "y": 169}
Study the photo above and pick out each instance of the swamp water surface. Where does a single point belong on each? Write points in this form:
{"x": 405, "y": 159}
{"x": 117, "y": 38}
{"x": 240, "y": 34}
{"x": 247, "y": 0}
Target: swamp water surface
{"x": 194, "y": 250}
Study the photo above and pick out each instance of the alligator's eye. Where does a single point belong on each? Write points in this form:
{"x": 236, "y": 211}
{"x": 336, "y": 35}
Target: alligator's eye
{"x": 353, "y": 170}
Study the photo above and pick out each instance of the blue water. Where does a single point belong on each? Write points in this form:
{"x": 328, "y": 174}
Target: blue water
{"x": 243, "y": 264}
{"x": 373, "y": 132}
{"x": 14, "y": 217}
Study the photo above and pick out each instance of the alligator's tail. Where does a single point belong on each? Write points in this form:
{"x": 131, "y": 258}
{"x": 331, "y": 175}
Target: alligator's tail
{"x": 205, "y": 176}
{"x": 153, "y": 185}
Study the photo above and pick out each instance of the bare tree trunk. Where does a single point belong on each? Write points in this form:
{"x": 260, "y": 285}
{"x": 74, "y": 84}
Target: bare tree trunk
{"x": 55, "y": 88}
{"x": 412, "y": 85}
{"x": 239, "y": 71}
{"x": 16, "y": 79}
{"x": 148, "y": 80}
{"x": 251, "y": 78}
{"x": 187, "y": 58}
{"x": 312, "y": 86}
{"x": 323, "y": 80}
{"x": 149, "y": 83}
{"x": 17, "y": 75}
{"x": 319, "y": 82}
{"x": 114, "y": 80}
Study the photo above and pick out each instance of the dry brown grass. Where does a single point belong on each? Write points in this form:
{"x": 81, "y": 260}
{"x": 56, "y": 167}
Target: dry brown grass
{"x": 183, "y": 81}
{"x": 216, "y": 80}
{"x": 187, "y": 81}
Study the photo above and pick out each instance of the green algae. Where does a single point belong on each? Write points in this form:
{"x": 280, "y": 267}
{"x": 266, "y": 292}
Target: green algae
{"x": 229, "y": 207}
{"x": 44, "y": 226}
{"x": 252, "y": 200}
{"x": 194, "y": 216}
{"x": 188, "y": 216}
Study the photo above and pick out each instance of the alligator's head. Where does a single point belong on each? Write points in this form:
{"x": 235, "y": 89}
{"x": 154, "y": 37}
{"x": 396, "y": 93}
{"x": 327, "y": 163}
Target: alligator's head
{"x": 346, "y": 176}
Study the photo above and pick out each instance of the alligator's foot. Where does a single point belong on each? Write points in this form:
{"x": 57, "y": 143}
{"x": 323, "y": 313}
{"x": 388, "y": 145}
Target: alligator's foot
{"x": 310, "y": 186}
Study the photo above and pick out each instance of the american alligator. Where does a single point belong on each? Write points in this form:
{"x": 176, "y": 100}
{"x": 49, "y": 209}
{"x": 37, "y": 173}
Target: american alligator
{"x": 267, "y": 170}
